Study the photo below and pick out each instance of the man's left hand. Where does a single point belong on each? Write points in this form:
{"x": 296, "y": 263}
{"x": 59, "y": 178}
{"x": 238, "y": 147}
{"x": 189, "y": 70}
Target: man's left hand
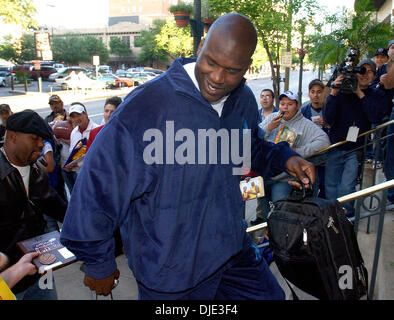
{"x": 301, "y": 169}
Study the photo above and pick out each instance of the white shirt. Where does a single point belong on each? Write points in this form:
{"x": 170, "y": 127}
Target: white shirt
{"x": 76, "y": 135}
{"x": 217, "y": 105}
{"x": 25, "y": 174}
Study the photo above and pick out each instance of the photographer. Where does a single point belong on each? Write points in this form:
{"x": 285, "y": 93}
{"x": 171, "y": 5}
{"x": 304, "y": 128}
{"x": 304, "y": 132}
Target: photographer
{"x": 350, "y": 114}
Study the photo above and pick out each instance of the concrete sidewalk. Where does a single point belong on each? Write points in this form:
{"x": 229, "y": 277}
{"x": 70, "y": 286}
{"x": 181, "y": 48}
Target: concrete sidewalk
{"x": 34, "y": 100}
{"x": 69, "y": 280}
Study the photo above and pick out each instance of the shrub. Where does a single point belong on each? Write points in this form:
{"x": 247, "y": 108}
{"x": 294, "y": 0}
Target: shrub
{"x": 181, "y": 7}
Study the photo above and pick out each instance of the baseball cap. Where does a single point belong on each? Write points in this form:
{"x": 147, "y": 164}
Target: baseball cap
{"x": 78, "y": 108}
{"x": 4, "y": 108}
{"x": 315, "y": 82}
{"x": 367, "y": 61}
{"x": 289, "y": 94}
{"x": 54, "y": 98}
{"x": 382, "y": 51}
{"x": 28, "y": 121}
{"x": 390, "y": 43}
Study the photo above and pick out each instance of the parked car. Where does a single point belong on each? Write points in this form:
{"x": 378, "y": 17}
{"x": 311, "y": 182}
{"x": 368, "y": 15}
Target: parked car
{"x": 45, "y": 72}
{"x": 136, "y": 79}
{"x": 155, "y": 71}
{"x": 23, "y": 68}
{"x": 142, "y": 76}
{"x": 79, "y": 81}
{"x": 107, "y": 78}
{"x": 58, "y": 66}
{"x": 104, "y": 69}
{"x": 65, "y": 72}
{"x": 5, "y": 68}
{"x": 5, "y": 78}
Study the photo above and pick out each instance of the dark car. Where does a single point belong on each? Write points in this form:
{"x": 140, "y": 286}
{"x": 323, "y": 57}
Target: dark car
{"x": 44, "y": 72}
{"x": 22, "y": 68}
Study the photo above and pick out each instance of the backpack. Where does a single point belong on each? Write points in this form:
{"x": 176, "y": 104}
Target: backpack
{"x": 315, "y": 247}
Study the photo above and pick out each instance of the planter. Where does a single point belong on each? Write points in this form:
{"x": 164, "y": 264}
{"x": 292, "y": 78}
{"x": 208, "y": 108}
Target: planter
{"x": 207, "y": 23}
{"x": 181, "y": 18}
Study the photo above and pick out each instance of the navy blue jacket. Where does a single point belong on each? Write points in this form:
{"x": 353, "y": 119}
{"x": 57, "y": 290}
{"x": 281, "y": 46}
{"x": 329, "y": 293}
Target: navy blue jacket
{"x": 345, "y": 110}
{"x": 179, "y": 223}
{"x": 388, "y": 92}
{"x": 307, "y": 113}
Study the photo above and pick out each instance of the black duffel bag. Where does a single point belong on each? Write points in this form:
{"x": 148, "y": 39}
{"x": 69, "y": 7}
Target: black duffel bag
{"x": 315, "y": 247}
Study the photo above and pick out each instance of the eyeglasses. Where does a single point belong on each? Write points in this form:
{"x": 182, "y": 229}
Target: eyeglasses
{"x": 265, "y": 96}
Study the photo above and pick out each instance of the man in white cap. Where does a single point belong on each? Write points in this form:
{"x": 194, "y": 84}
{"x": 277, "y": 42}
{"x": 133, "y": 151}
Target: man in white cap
{"x": 83, "y": 126}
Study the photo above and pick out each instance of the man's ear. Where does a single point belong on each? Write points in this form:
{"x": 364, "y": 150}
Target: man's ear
{"x": 11, "y": 135}
{"x": 200, "y": 46}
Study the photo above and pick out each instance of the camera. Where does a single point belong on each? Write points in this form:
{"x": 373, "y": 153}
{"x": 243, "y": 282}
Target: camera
{"x": 349, "y": 72}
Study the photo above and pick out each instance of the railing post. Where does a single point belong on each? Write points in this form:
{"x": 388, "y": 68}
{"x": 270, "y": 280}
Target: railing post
{"x": 378, "y": 244}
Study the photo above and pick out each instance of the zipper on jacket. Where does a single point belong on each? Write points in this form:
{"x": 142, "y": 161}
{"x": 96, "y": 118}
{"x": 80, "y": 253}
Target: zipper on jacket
{"x": 305, "y": 237}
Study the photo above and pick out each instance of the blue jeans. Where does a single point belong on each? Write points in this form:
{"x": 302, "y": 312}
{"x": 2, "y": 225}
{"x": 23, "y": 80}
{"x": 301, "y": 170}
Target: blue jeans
{"x": 389, "y": 161}
{"x": 341, "y": 176}
{"x": 245, "y": 277}
{"x": 34, "y": 292}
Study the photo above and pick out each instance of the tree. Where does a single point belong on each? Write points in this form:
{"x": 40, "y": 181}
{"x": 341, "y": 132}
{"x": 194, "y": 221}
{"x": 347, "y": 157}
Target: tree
{"x": 74, "y": 49}
{"x": 119, "y": 48}
{"x": 150, "y": 51}
{"x": 177, "y": 42}
{"x": 358, "y": 30}
{"x": 27, "y": 48}
{"x": 274, "y": 21}
{"x": 8, "y": 52}
{"x": 18, "y": 12}
{"x": 94, "y": 47}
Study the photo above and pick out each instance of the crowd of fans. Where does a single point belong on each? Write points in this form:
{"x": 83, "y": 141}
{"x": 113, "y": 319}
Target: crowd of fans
{"x": 329, "y": 117}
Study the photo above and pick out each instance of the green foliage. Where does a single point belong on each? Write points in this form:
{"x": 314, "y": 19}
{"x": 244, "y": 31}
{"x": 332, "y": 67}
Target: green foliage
{"x": 185, "y": 7}
{"x": 94, "y": 47}
{"x": 359, "y": 30}
{"x": 119, "y": 48}
{"x": 150, "y": 51}
{"x": 259, "y": 57}
{"x": 274, "y": 21}
{"x": 74, "y": 49}
{"x": 18, "y": 12}
{"x": 8, "y": 52}
{"x": 27, "y": 48}
{"x": 177, "y": 42}
{"x": 21, "y": 76}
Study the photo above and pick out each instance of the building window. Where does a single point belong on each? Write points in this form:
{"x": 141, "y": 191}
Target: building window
{"x": 126, "y": 40}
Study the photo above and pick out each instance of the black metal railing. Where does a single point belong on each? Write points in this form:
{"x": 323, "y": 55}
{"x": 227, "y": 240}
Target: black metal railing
{"x": 360, "y": 195}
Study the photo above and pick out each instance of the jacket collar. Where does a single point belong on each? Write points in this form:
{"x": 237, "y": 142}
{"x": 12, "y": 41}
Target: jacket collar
{"x": 182, "y": 83}
{"x": 5, "y": 167}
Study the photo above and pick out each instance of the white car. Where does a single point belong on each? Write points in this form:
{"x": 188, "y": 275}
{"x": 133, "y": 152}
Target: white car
{"x": 64, "y": 72}
{"x": 80, "y": 81}
{"x": 5, "y": 78}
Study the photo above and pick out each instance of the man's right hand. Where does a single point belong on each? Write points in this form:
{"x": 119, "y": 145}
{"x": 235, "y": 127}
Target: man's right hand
{"x": 102, "y": 286}
{"x": 337, "y": 83}
{"x": 275, "y": 122}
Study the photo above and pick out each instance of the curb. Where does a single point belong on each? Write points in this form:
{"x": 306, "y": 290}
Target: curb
{"x": 39, "y": 100}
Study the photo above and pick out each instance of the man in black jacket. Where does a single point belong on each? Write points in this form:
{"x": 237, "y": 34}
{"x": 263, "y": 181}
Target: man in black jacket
{"x": 25, "y": 193}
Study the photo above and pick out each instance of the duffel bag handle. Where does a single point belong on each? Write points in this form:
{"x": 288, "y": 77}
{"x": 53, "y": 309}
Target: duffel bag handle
{"x": 297, "y": 194}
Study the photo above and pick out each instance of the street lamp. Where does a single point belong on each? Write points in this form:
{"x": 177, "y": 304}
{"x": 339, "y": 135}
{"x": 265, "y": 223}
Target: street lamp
{"x": 197, "y": 26}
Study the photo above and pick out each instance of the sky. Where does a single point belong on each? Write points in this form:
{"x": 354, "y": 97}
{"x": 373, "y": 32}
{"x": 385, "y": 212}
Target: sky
{"x": 94, "y": 13}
